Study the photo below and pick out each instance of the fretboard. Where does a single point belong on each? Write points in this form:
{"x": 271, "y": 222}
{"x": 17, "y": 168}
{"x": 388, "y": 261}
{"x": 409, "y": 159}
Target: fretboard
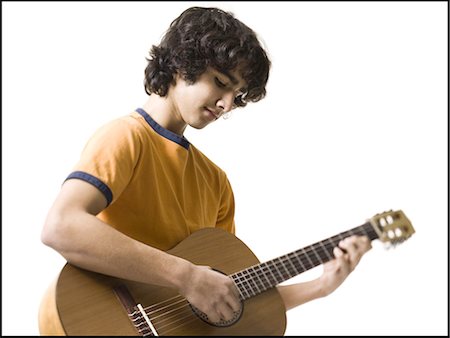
{"x": 261, "y": 277}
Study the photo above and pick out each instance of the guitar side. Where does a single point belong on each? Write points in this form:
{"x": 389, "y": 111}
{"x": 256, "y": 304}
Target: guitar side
{"x": 82, "y": 302}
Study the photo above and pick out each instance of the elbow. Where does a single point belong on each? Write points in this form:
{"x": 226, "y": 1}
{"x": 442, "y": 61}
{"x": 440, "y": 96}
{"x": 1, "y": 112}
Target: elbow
{"x": 47, "y": 236}
{"x": 55, "y": 231}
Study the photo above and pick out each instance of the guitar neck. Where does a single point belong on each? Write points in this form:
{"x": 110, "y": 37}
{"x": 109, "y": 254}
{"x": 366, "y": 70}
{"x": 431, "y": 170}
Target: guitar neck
{"x": 261, "y": 277}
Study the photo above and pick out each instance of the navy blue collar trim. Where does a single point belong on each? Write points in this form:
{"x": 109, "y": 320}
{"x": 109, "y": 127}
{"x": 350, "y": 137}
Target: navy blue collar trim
{"x": 181, "y": 140}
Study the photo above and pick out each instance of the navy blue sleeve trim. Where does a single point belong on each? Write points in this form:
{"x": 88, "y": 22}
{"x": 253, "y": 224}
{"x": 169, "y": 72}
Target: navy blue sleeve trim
{"x": 95, "y": 182}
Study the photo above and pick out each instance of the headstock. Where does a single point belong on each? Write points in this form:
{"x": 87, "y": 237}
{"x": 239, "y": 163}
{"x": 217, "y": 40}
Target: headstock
{"x": 392, "y": 227}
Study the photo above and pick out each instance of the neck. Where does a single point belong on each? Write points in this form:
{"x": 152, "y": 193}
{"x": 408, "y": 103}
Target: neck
{"x": 260, "y": 277}
{"x": 163, "y": 111}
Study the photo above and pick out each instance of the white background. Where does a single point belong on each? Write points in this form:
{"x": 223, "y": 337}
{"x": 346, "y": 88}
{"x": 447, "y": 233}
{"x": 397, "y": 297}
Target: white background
{"x": 354, "y": 123}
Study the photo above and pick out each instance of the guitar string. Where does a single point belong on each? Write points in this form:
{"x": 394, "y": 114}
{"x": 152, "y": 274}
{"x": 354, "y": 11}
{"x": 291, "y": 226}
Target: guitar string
{"x": 184, "y": 317}
{"x": 165, "y": 301}
{"x": 286, "y": 259}
{"x": 167, "y": 313}
{"x": 321, "y": 255}
{"x": 180, "y": 316}
{"x": 182, "y": 324}
{"x": 174, "y": 313}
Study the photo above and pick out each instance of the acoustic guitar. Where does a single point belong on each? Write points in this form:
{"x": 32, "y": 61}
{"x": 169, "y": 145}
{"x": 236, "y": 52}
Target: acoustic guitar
{"x": 82, "y": 302}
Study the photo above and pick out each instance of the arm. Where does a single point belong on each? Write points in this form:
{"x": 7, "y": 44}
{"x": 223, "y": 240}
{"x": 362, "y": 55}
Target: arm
{"x": 348, "y": 255}
{"x": 72, "y": 229}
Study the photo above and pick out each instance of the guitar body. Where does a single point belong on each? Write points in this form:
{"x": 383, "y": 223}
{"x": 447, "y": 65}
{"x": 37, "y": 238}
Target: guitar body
{"x": 82, "y": 302}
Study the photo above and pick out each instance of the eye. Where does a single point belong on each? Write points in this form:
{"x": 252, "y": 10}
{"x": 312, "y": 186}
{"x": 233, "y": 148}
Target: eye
{"x": 219, "y": 83}
{"x": 242, "y": 92}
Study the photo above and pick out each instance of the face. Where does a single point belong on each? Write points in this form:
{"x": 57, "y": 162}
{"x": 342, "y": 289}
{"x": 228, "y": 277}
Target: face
{"x": 204, "y": 101}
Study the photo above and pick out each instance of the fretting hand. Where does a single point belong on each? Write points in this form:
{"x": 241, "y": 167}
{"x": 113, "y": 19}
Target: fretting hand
{"x": 348, "y": 254}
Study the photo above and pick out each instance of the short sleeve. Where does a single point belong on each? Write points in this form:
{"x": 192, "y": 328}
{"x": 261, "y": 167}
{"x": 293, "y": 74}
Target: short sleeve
{"x": 109, "y": 157}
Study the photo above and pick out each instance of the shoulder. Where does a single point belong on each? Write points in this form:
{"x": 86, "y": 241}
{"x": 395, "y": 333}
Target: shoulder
{"x": 126, "y": 128}
{"x": 123, "y": 124}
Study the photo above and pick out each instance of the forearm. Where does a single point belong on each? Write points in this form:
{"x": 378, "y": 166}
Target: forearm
{"x": 348, "y": 255}
{"x": 297, "y": 294}
{"x": 83, "y": 240}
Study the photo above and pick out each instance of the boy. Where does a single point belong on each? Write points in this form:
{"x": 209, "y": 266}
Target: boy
{"x": 140, "y": 187}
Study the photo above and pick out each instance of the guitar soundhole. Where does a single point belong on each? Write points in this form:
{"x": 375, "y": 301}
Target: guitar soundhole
{"x": 221, "y": 323}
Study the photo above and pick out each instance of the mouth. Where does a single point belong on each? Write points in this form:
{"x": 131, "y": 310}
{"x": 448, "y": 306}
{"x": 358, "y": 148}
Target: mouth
{"x": 213, "y": 114}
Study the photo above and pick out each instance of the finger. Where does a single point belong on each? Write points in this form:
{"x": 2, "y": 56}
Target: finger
{"x": 213, "y": 317}
{"x": 232, "y": 299}
{"x": 210, "y": 312}
{"x": 337, "y": 251}
{"x": 353, "y": 259}
{"x": 226, "y": 312}
{"x": 358, "y": 246}
{"x": 342, "y": 264}
{"x": 365, "y": 243}
{"x": 233, "y": 303}
{"x": 348, "y": 243}
{"x": 362, "y": 245}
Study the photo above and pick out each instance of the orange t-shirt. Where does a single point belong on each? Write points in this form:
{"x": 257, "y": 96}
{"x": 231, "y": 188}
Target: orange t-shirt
{"x": 158, "y": 186}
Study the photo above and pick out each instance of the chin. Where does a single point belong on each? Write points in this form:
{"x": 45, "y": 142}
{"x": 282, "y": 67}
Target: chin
{"x": 199, "y": 125}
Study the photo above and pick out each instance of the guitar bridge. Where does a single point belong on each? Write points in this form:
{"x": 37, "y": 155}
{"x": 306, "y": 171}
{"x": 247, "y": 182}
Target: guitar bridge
{"x": 136, "y": 312}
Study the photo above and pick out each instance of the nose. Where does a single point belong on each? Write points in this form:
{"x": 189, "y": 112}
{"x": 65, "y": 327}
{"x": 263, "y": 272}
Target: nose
{"x": 226, "y": 102}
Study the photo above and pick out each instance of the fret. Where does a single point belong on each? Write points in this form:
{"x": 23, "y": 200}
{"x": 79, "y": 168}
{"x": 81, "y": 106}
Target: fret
{"x": 284, "y": 267}
{"x": 280, "y": 275}
{"x": 315, "y": 253}
{"x": 241, "y": 295}
{"x": 238, "y": 280}
{"x": 269, "y": 274}
{"x": 266, "y": 284}
{"x": 326, "y": 251}
{"x": 369, "y": 231}
{"x": 259, "y": 275}
{"x": 251, "y": 283}
{"x": 295, "y": 254}
{"x": 264, "y": 273}
{"x": 364, "y": 232}
{"x": 308, "y": 259}
{"x": 256, "y": 280}
{"x": 295, "y": 270}
{"x": 244, "y": 285}
{"x": 333, "y": 245}
{"x": 341, "y": 237}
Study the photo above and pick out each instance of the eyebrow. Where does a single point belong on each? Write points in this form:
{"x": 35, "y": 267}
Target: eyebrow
{"x": 231, "y": 77}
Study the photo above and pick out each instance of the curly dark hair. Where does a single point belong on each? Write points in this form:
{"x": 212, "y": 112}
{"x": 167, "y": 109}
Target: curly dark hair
{"x": 208, "y": 37}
